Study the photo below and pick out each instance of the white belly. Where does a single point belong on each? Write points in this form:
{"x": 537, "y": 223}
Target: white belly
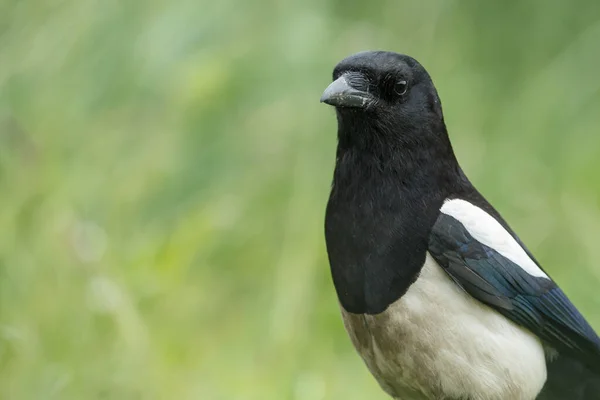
{"x": 437, "y": 342}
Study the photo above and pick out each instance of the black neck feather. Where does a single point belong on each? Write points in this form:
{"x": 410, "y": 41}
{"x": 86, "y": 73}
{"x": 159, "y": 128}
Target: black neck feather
{"x": 387, "y": 189}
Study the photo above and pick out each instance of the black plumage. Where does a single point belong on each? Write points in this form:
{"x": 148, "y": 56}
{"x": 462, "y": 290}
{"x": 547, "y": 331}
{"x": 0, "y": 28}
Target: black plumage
{"x": 395, "y": 169}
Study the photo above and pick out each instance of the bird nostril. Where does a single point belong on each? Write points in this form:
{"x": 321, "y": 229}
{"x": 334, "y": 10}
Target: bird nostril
{"x": 357, "y": 80}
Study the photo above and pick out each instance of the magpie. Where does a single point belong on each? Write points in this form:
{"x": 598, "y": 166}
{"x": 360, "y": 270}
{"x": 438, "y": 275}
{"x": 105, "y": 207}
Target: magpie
{"x": 439, "y": 296}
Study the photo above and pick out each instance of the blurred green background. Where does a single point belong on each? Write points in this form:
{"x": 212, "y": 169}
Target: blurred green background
{"x": 164, "y": 168}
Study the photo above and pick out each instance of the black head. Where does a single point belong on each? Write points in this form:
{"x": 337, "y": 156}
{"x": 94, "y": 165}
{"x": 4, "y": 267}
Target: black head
{"x": 384, "y": 96}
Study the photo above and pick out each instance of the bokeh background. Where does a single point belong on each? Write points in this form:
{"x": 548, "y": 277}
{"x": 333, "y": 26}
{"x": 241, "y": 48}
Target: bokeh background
{"x": 164, "y": 168}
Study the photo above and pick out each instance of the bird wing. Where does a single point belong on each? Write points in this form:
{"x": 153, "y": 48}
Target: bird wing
{"x": 486, "y": 261}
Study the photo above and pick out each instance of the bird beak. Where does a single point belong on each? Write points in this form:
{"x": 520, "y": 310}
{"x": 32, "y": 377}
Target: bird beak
{"x": 341, "y": 94}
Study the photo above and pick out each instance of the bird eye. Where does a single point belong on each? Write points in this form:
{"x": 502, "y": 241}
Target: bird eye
{"x": 400, "y": 87}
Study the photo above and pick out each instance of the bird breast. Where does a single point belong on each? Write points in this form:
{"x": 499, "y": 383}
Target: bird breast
{"x": 436, "y": 342}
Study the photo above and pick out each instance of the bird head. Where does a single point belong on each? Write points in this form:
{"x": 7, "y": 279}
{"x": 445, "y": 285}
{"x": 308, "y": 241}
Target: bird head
{"x": 383, "y": 97}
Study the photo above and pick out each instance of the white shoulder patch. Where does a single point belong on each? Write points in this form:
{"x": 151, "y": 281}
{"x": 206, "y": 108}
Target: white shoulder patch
{"x": 487, "y": 230}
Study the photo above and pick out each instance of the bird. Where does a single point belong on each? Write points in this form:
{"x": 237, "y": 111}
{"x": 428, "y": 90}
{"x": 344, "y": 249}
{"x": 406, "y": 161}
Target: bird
{"x": 439, "y": 296}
